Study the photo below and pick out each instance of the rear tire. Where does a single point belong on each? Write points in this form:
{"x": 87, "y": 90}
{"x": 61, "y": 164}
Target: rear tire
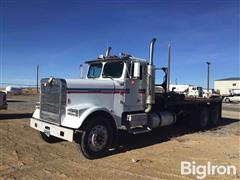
{"x": 215, "y": 115}
{"x": 50, "y": 139}
{"x": 96, "y": 138}
{"x": 202, "y": 119}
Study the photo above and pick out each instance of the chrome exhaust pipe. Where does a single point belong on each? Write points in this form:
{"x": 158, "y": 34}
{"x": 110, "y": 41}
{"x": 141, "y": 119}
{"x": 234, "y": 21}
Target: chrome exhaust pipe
{"x": 168, "y": 70}
{"x": 150, "y": 92}
{"x": 151, "y": 51}
{"x": 108, "y": 51}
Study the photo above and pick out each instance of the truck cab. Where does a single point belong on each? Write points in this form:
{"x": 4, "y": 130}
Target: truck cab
{"x": 127, "y": 77}
{"x": 114, "y": 88}
{"x": 195, "y": 91}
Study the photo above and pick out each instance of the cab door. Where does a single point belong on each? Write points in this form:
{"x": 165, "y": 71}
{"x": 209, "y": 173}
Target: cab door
{"x": 134, "y": 99}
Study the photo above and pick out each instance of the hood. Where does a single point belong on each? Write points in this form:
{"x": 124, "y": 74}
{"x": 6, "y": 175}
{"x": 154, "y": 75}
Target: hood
{"x": 89, "y": 85}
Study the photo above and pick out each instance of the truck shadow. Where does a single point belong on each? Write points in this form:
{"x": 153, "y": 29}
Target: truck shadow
{"x": 15, "y": 116}
{"x": 14, "y": 101}
{"x": 127, "y": 142}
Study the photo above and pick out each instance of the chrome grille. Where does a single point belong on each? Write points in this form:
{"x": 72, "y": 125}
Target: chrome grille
{"x": 52, "y": 100}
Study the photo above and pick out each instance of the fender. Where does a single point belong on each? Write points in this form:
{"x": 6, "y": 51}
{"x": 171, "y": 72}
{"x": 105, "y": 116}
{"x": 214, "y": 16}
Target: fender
{"x": 84, "y": 112}
{"x": 36, "y": 113}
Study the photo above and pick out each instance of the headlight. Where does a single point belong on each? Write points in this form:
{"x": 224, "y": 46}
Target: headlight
{"x": 73, "y": 112}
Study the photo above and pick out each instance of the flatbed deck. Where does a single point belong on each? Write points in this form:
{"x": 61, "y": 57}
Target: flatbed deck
{"x": 166, "y": 100}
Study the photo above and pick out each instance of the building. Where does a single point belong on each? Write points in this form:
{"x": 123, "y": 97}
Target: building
{"x": 224, "y": 86}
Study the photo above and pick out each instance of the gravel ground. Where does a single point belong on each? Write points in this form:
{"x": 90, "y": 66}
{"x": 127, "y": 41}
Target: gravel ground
{"x": 155, "y": 155}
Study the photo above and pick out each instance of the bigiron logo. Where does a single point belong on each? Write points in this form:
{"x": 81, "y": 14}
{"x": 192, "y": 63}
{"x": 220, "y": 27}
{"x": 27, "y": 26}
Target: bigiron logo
{"x": 209, "y": 169}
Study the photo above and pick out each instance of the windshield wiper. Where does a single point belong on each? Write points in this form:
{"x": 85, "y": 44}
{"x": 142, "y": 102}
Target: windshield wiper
{"x": 106, "y": 76}
{"x": 91, "y": 77}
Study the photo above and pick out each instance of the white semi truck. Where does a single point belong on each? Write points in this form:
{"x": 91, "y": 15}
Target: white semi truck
{"x": 234, "y": 91}
{"x": 188, "y": 90}
{"x": 118, "y": 93}
{"x": 13, "y": 90}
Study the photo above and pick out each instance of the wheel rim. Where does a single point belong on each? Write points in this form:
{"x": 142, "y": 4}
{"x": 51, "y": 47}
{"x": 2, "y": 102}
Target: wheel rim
{"x": 97, "y": 138}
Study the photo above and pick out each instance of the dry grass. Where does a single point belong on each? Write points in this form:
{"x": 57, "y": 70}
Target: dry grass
{"x": 29, "y": 91}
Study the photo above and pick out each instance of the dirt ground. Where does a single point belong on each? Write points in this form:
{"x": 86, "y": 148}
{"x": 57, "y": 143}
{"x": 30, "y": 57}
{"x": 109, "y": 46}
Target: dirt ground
{"x": 155, "y": 155}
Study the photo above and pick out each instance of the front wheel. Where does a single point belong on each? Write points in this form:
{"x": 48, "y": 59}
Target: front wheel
{"x": 96, "y": 138}
{"x": 227, "y": 100}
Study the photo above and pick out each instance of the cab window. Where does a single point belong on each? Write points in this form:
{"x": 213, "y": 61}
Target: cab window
{"x": 94, "y": 70}
{"x": 113, "y": 70}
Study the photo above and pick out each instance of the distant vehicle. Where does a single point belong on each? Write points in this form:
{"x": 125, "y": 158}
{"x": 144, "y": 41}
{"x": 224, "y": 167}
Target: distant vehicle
{"x": 205, "y": 93}
{"x": 234, "y": 91}
{"x": 212, "y": 93}
{"x": 3, "y": 100}
{"x": 188, "y": 90}
{"x": 232, "y": 98}
{"x": 13, "y": 90}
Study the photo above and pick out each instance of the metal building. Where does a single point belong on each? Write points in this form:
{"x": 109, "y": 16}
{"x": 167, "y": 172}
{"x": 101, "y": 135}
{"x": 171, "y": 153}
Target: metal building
{"x": 225, "y": 86}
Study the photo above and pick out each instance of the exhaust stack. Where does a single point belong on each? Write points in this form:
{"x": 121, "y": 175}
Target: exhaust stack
{"x": 168, "y": 70}
{"x": 150, "y": 92}
{"x": 108, "y": 51}
{"x": 81, "y": 71}
{"x": 151, "y": 51}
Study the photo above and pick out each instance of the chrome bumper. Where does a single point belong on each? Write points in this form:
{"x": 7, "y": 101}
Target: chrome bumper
{"x": 53, "y": 130}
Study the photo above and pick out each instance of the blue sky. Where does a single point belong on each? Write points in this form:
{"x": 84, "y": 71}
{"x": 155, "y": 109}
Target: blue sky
{"x": 60, "y": 35}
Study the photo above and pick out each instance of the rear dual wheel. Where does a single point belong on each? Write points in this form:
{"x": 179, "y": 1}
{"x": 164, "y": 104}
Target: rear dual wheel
{"x": 208, "y": 116}
{"x": 215, "y": 115}
{"x": 203, "y": 118}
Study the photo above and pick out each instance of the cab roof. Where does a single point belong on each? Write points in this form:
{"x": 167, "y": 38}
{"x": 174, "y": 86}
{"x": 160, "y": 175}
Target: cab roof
{"x": 115, "y": 58}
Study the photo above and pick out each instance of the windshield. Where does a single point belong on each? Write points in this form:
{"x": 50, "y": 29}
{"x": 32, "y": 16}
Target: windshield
{"x": 94, "y": 70}
{"x": 113, "y": 69}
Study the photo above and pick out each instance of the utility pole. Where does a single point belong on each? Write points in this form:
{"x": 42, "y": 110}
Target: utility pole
{"x": 168, "y": 70}
{"x": 208, "y": 77}
{"x": 37, "y": 76}
{"x": 81, "y": 71}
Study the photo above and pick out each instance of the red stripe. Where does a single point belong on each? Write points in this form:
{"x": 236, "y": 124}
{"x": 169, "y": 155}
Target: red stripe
{"x": 97, "y": 92}
{"x": 142, "y": 91}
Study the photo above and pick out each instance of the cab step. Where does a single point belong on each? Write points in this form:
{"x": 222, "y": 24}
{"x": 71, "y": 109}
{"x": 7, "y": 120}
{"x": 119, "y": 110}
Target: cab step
{"x": 139, "y": 130}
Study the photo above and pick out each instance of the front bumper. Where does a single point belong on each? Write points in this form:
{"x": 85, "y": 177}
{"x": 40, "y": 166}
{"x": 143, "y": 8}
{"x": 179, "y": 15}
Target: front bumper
{"x": 53, "y": 130}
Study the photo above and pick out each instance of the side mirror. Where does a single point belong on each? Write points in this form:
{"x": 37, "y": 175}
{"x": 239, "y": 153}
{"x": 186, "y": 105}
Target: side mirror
{"x": 136, "y": 70}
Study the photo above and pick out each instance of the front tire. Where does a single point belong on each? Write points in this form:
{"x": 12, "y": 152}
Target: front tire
{"x": 96, "y": 138}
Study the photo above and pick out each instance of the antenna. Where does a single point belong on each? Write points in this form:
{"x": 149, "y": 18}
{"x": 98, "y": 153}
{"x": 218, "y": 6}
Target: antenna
{"x": 37, "y": 76}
